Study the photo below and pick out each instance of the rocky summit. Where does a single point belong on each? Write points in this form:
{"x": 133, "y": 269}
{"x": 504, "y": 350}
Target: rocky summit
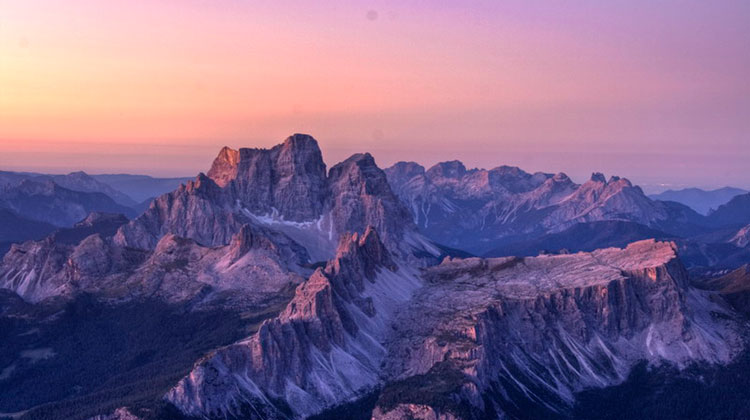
{"x": 273, "y": 287}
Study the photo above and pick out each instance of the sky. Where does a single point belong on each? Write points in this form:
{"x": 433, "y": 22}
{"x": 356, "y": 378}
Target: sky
{"x": 657, "y": 91}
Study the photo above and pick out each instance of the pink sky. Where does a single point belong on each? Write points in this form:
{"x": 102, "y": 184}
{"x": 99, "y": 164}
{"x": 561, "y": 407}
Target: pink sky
{"x": 655, "y": 91}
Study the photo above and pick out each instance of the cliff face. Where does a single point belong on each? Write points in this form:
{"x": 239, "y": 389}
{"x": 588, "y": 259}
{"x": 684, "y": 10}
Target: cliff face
{"x": 199, "y": 210}
{"x": 360, "y": 196}
{"x": 544, "y": 328}
{"x": 289, "y": 179}
{"x": 322, "y": 349}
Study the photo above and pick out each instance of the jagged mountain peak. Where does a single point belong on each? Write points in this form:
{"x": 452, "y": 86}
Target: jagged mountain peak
{"x": 361, "y": 173}
{"x": 561, "y": 177}
{"x": 601, "y": 185}
{"x": 301, "y": 141}
{"x": 598, "y": 177}
{"x": 224, "y": 167}
{"x": 361, "y": 196}
{"x": 505, "y": 203}
{"x": 509, "y": 170}
{"x": 285, "y": 189}
{"x": 406, "y": 169}
{"x": 288, "y": 178}
{"x": 322, "y": 348}
{"x": 454, "y": 169}
{"x": 366, "y": 248}
{"x": 360, "y": 159}
{"x": 202, "y": 183}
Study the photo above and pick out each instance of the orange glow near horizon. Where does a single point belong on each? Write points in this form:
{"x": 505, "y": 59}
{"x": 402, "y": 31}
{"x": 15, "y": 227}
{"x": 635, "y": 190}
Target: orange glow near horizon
{"x": 112, "y": 86}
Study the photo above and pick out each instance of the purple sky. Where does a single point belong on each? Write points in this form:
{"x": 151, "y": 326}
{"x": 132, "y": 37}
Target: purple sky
{"x": 656, "y": 91}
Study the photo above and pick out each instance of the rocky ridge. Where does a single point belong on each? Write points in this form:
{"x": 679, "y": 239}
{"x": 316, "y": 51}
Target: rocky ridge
{"x": 322, "y": 349}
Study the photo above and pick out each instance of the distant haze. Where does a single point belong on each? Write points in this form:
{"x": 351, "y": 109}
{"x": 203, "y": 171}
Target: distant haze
{"x": 654, "y": 91}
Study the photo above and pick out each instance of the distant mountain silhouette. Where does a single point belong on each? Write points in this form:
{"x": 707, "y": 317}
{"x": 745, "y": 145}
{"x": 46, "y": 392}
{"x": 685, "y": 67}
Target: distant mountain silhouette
{"x": 700, "y": 200}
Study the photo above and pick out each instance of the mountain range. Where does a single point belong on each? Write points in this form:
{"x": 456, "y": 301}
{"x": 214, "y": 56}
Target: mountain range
{"x": 31, "y": 202}
{"x": 479, "y": 210}
{"x": 273, "y": 287}
{"x": 702, "y": 201}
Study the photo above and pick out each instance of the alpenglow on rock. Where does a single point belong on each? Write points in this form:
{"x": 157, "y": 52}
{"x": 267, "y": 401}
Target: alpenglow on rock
{"x": 289, "y": 179}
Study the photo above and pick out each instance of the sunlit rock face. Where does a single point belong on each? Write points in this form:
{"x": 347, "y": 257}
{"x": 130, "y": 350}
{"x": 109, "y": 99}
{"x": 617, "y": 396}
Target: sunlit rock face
{"x": 200, "y": 210}
{"x": 476, "y": 209}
